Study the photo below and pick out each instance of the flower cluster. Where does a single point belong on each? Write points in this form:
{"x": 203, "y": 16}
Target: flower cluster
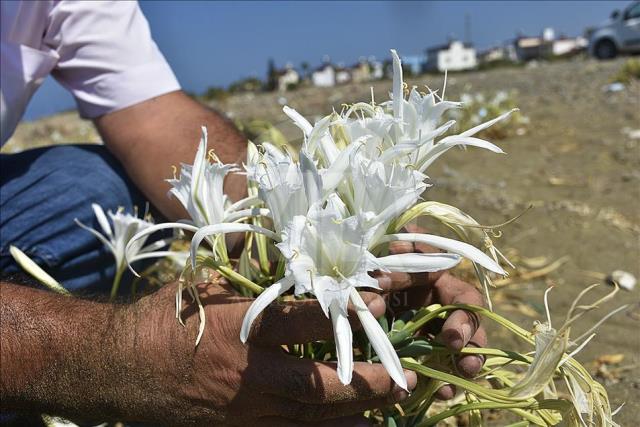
{"x": 334, "y": 210}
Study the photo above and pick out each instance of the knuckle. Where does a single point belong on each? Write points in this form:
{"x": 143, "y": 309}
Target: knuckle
{"x": 401, "y": 247}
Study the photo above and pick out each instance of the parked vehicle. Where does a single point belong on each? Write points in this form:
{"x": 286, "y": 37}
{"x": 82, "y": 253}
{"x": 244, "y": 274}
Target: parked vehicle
{"x": 619, "y": 34}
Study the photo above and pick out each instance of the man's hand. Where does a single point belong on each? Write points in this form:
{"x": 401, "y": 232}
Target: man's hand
{"x": 99, "y": 362}
{"x": 462, "y": 328}
{"x": 225, "y": 381}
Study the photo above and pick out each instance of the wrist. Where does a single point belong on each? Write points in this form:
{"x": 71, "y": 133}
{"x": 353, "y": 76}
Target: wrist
{"x": 156, "y": 358}
{"x": 49, "y": 346}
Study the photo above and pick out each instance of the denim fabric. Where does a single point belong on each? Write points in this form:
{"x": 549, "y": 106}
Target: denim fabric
{"x": 42, "y": 191}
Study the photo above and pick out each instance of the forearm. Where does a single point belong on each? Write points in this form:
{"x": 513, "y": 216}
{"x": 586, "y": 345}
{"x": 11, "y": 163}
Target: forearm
{"x": 151, "y": 137}
{"x": 59, "y": 355}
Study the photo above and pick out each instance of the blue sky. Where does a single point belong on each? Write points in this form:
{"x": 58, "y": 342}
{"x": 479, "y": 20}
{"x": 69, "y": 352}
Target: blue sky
{"x": 215, "y": 43}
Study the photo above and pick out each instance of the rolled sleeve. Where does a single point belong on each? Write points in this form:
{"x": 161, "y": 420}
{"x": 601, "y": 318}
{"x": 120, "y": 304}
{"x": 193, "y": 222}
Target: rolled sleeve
{"x": 108, "y": 60}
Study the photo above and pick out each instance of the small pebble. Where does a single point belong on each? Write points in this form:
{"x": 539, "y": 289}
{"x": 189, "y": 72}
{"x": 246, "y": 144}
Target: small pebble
{"x": 625, "y": 280}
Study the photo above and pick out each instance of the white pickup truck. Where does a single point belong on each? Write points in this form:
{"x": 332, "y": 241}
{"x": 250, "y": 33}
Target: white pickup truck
{"x": 619, "y": 34}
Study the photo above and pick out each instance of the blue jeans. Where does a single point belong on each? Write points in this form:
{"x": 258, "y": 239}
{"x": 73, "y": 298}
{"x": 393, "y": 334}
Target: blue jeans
{"x": 42, "y": 191}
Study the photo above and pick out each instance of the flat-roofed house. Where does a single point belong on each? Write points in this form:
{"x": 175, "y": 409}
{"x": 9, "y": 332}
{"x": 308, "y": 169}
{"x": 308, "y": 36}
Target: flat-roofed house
{"x": 324, "y": 76}
{"x": 453, "y": 56}
{"x": 287, "y": 78}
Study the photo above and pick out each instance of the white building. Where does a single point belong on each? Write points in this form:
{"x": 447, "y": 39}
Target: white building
{"x": 547, "y": 45}
{"x": 498, "y": 54}
{"x": 377, "y": 69}
{"x": 324, "y": 76}
{"x": 454, "y": 56}
{"x": 287, "y": 78}
{"x": 569, "y": 45}
{"x": 343, "y": 75}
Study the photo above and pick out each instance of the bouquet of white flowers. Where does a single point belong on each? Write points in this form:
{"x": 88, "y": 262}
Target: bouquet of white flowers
{"x": 317, "y": 222}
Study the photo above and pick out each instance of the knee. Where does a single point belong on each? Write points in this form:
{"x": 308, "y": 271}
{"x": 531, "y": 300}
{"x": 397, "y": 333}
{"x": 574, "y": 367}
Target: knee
{"x": 46, "y": 189}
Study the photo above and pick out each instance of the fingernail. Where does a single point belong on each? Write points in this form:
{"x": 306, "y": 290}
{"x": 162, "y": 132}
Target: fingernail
{"x": 466, "y": 333}
{"x": 469, "y": 365}
{"x": 399, "y": 394}
{"x": 412, "y": 379}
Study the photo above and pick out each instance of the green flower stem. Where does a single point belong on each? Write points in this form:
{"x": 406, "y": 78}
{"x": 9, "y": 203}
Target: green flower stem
{"x": 280, "y": 268}
{"x": 459, "y": 409}
{"x": 421, "y": 320}
{"x": 229, "y": 273}
{"x": 414, "y": 326}
{"x": 116, "y": 282}
{"x": 239, "y": 279}
{"x": 261, "y": 244}
{"x": 421, "y": 396}
{"x": 221, "y": 246}
{"x": 497, "y": 396}
{"x": 519, "y": 424}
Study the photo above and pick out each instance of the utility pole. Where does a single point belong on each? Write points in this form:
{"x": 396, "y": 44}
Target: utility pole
{"x": 467, "y": 28}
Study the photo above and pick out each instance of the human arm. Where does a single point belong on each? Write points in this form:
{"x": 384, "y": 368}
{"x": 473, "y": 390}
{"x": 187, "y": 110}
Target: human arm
{"x": 120, "y": 79}
{"x": 78, "y": 358}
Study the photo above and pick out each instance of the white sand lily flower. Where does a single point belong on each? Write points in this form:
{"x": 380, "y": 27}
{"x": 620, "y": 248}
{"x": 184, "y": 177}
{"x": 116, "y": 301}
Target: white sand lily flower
{"x": 417, "y": 124}
{"x": 552, "y": 344}
{"x": 384, "y": 189}
{"x": 327, "y": 256}
{"x": 280, "y": 185}
{"x": 199, "y": 188}
{"x": 119, "y": 239}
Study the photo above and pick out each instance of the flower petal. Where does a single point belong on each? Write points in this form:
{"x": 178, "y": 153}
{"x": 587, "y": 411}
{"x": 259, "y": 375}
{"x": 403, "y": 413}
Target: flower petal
{"x": 407, "y": 147}
{"x": 398, "y": 96}
{"x": 244, "y": 203}
{"x": 157, "y": 254}
{"x": 451, "y": 141}
{"x": 455, "y": 246}
{"x": 379, "y": 341}
{"x": 261, "y": 302}
{"x": 247, "y": 213}
{"x": 102, "y": 219}
{"x": 334, "y": 174}
{"x": 487, "y": 124}
{"x": 343, "y": 337}
{"x": 156, "y": 245}
{"x": 152, "y": 230}
{"x": 99, "y": 236}
{"x": 298, "y": 120}
{"x": 311, "y": 179}
{"x": 419, "y": 263}
{"x": 224, "y": 228}
{"x": 397, "y": 206}
{"x": 36, "y": 271}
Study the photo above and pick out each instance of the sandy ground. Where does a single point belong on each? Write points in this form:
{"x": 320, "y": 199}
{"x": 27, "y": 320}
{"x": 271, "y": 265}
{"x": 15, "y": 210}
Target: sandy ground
{"x": 577, "y": 164}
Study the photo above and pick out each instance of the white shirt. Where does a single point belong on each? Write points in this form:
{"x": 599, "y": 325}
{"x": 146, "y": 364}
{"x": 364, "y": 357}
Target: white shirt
{"x": 102, "y": 52}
